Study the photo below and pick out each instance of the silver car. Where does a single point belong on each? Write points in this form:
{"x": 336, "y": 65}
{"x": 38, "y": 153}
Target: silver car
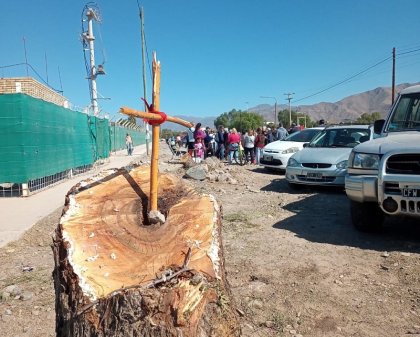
{"x": 324, "y": 160}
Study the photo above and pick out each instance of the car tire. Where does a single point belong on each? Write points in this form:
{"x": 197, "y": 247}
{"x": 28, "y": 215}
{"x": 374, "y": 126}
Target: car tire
{"x": 367, "y": 216}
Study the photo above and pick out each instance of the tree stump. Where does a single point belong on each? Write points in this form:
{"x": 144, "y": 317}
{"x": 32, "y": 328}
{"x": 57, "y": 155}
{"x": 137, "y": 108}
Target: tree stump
{"x": 116, "y": 275}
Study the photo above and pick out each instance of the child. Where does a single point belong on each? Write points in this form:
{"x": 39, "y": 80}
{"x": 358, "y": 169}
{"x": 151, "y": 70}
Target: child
{"x": 199, "y": 148}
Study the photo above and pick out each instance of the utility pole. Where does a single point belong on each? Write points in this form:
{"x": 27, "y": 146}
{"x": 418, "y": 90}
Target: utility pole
{"x": 275, "y": 108}
{"x": 88, "y": 36}
{"x": 289, "y": 98}
{"x": 144, "y": 75}
{"x": 275, "y": 114}
{"x": 393, "y": 76}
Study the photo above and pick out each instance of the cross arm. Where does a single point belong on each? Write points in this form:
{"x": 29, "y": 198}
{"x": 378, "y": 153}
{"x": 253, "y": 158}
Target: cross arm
{"x": 153, "y": 116}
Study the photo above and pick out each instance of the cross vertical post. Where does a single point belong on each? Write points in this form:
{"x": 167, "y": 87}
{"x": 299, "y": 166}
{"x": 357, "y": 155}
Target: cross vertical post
{"x": 155, "y": 117}
{"x": 155, "y": 136}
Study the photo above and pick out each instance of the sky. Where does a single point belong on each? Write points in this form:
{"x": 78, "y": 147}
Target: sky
{"x": 215, "y": 55}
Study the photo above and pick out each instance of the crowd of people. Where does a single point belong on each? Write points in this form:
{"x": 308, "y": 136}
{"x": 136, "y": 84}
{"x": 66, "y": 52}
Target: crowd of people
{"x": 224, "y": 143}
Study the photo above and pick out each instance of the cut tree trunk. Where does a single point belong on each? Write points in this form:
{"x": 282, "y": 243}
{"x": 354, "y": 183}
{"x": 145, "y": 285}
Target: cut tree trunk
{"x": 116, "y": 275}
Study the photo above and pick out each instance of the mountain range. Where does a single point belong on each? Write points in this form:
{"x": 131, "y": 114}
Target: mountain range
{"x": 347, "y": 109}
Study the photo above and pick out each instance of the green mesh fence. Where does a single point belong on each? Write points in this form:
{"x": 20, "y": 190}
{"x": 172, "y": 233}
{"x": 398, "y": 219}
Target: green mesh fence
{"x": 100, "y": 132}
{"x": 117, "y": 135}
{"x": 39, "y": 139}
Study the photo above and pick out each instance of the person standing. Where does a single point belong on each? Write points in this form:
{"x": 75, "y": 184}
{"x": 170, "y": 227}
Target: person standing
{"x": 199, "y": 148}
{"x": 273, "y": 135}
{"x": 190, "y": 140}
{"x": 234, "y": 139}
{"x": 129, "y": 144}
{"x": 220, "y": 141}
{"x": 281, "y": 132}
{"x": 249, "y": 144}
{"x": 259, "y": 144}
{"x": 294, "y": 128}
{"x": 198, "y": 133}
{"x": 226, "y": 135}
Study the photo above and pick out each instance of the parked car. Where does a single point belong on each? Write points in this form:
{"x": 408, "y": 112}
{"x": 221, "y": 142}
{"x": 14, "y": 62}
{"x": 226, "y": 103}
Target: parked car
{"x": 383, "y": 177}
{"x": 276, "y": 154}
{"x": 324, "y": 160}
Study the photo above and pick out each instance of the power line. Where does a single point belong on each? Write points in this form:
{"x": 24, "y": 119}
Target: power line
{"x": 33, "y": 69}
{"x": 13, "y": 65}
{"x": 408, "y": 52}
{"x": 345, "y": 80}
{"x": 348, "y": 79}
{"x": 407, "y": 47}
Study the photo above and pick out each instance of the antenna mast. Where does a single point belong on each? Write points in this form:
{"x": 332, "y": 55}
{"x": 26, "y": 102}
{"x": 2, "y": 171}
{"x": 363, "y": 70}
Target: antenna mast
{"x": 92, "y": 14}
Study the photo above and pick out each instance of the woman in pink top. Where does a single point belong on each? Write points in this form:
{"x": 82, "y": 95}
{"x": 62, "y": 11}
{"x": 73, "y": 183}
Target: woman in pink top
{"x": 234, "y": 139}
{"x": 259, "y": 144}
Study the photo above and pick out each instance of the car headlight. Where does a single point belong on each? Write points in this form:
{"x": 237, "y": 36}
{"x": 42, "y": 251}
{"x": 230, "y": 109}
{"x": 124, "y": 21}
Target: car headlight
{"x": 366, "y": 161}
{"x": 291, "y": 150}
{"x": 292, "y": 162}
{"x": 342, "y": 164}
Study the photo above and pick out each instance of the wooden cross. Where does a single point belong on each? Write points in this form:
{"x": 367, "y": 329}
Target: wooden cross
{"x": 155, "y": 118}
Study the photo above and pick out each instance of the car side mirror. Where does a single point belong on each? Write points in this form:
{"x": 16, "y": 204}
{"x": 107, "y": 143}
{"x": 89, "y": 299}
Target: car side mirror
{"x": 378, "y": 125}
{"x": 305, "y": 144}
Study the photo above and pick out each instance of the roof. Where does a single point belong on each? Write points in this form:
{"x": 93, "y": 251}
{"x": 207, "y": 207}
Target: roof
{"x": 349, "y": 126}
{"x": 411, "y": 90}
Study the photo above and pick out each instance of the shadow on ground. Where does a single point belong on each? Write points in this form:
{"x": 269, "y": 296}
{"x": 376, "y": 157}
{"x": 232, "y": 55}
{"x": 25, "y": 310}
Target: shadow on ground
{"x": 261, "y": 169}
{"x": 323, "y": 215}
{"x": 282, "y": 186}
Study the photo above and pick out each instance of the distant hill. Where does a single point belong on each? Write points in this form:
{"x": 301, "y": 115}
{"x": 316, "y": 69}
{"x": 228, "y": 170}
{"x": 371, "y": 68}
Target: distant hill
{"x": 349, "y": 108}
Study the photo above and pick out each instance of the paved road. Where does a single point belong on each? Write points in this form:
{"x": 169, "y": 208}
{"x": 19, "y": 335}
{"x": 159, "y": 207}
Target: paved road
{"x": 21, "y": 213}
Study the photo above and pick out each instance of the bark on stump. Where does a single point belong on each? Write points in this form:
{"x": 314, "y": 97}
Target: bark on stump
{"x": 115, "y": 275}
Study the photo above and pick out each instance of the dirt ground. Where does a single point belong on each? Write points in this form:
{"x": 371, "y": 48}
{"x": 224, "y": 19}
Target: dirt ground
{"x": 295, "y": 264}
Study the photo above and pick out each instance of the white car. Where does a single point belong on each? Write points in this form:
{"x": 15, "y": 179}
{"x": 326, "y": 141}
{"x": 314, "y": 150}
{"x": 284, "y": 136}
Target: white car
{"x": 276, "y": 154}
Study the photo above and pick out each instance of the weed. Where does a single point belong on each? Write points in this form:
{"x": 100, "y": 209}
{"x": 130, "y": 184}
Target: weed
{"x": 39, "y": 277}
{"x": 279, "y": 321}
{"x": 242, "y": 218}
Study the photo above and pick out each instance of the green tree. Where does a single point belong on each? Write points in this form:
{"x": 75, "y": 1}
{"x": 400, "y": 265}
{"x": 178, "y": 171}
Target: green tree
{"x": 367, "y": 118}
{"x": 283, "y": 117}
{"x": 167, "y": 133}
{"x": 240, "y": 120}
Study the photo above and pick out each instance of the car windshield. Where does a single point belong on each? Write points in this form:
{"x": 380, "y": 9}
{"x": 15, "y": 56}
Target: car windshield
{"x": 340, "y": 137}
{"x": 406, "y": 115}
{"x": 304, "y": 136}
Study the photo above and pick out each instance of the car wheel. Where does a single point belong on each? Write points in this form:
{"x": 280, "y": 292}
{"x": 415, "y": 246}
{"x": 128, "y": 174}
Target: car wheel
{"x": 367, "y": 216}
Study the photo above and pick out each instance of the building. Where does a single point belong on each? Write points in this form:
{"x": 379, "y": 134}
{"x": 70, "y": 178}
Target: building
{"x": 31, "y": 87}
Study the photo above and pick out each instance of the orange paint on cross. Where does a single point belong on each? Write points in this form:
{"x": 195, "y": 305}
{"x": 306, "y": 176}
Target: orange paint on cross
{"x": 160, "y": 118}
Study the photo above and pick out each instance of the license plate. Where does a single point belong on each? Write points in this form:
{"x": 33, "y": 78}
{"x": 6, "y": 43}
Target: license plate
{"x": 268, "y": 158}
{"x": 410, "y": 192}
{"x": 314, "y": 175}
